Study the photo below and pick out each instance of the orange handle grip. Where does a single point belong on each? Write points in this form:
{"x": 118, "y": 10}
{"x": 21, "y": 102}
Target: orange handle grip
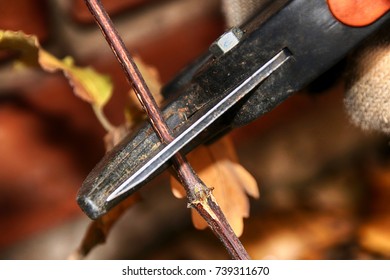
{"x": 358, "y": 12}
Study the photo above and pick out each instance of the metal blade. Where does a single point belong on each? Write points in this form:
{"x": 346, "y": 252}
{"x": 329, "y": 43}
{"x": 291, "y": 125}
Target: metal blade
{"x": 202, "y": 123}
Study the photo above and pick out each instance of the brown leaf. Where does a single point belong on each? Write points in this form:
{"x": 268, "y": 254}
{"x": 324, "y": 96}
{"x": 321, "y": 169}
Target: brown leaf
{"x": 217, "y": 165}
{"x": 374, "y": 235}
{"x": 374, "y": 232}
{"x": 99, "y": 229}
{"x": 134, "y": 112}
{"x": 297, "y": 235}
{"x": 115, "y": 135}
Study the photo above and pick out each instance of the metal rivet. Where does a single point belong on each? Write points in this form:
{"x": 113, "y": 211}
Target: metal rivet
{"x": 226, "y": 42}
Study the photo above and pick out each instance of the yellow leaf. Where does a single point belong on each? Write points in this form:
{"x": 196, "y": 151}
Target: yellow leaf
{"x": 217, "y": 165}
{"x": 87, "y": 84}
{"x": 25, "y": 46}
{"x": 99, "y": 229}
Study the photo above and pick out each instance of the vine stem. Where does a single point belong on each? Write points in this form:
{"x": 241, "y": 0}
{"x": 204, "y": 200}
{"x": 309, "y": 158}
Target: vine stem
{"x": 199, "y": 196}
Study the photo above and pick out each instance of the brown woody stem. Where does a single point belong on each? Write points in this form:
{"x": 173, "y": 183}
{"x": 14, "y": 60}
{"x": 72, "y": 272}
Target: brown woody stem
{"x": 198, "y": 194}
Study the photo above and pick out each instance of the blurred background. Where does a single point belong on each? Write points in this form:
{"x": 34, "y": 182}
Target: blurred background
{"x": 324, "y": 184}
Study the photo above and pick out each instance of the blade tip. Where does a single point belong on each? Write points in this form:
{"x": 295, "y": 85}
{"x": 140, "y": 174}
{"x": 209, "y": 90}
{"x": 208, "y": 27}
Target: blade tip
{"x": 89, "y": 207}
{"x": 112, "y": 196}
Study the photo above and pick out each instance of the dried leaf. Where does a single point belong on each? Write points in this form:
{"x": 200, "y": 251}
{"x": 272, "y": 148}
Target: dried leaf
{"x": 99, "y": 229}
{"x": 87, "y": 84}
{"x": 24, "y": 45}
{"x": 217, "y": 165}
{"x": 297, "y": 235}
{"x": 374, "y": 232}
{"x": 151, "y": 76}
{"x": 115, "y": 135}
{"x": 374, "y": 235}
{"x": 134, "y": 112}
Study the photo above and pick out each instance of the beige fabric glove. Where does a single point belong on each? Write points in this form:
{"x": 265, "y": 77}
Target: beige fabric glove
{"x": 238, "y": 11}
{"x": 368, "y": 84}
{"x": 368, "y": 80}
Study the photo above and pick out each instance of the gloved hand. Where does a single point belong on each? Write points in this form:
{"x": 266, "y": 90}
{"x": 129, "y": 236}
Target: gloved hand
{"x": 368, "y": 84}
{"x": 238, "y": 11}
{"x": 368, "y": 76}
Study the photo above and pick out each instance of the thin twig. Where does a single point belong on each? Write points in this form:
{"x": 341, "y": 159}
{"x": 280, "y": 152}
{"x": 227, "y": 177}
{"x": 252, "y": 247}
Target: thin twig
{"x": 198, "y": 194}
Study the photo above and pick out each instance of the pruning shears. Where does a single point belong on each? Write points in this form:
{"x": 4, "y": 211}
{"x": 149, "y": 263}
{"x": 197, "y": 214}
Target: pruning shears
{"x": 246, "y": 72}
